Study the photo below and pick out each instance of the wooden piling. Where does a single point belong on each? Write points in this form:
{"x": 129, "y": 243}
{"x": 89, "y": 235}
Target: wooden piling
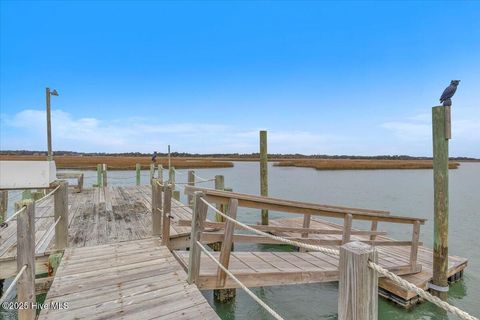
{"x": 156, "y": 208}
{"x": 60, "y": 199}
{"x": 219, "y": 185}
{"x": 358, "y": 284}
{"x": 171, "y": 177}
{"x": 198, "y": 220}
{"x": 152, "y": 171}
{"x": 167, "y": 210}
{"x": 138, "y": 167}
{"x": 27, "y": 194}
{"x": 191, "y": 182}
{"x": 225, "y": 295}
{"x": 104, "y": 175}
{"x": 3, "y": 205}
{"x": 26, "y": 257}
{"x": 160, "y": 173}
{"x": 99, "y": 175}
{"x": 440, "y": 187}
{"x": 264, "y": 172}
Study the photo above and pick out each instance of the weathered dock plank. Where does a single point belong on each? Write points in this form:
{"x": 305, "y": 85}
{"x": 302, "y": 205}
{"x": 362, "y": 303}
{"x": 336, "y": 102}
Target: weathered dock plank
{"x": 388, "y": 256}
{"x": 117, "y": 281}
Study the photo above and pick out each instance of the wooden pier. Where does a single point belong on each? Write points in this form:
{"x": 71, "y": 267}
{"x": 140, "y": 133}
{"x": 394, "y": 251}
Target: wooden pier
{"x": 113, "y": 268}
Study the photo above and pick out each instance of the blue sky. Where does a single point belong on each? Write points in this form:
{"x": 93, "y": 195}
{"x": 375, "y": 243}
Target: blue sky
{"x": 321, "y": 77}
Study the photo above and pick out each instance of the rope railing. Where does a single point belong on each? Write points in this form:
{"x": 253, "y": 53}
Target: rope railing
{"x": 203, "y": 181}
{"x": 422, "y": 293}
{"x": 16, "y": 213}
{"x": 10, "y": 287}
{"x": 200, "y": 178}
{"x": 379, "y": 269}
{"x": 248, "y": 291}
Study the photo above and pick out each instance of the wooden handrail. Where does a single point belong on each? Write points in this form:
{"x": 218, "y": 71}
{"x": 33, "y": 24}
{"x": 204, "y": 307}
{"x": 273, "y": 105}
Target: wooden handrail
{"x": 259, "y": 202}
{"x": 221, "y": 225}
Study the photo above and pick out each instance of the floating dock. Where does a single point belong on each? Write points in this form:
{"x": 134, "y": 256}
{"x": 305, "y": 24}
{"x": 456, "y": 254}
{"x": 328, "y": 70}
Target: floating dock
{"x": 113, "y": 268}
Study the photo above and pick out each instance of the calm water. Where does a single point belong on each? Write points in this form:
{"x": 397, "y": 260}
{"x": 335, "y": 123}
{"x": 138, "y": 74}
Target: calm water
{"x": 403, "y": 192}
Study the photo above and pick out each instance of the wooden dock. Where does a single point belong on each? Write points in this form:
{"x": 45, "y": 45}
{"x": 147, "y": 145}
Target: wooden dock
{"x": 113, "y": 268}
{"x": 138, "y": 279}
{"x": 388, "y": 256}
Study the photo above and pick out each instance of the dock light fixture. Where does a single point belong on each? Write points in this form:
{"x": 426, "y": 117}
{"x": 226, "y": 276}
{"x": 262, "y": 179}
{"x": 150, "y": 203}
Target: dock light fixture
{"x": 49, "y": 93}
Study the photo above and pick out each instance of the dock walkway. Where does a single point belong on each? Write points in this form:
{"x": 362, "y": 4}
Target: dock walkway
{"x": 137, "y": 279}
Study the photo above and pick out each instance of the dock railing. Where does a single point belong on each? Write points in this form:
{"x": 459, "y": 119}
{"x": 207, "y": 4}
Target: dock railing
{"x": 25, "y": 222}
{"x": 358, "y": 268}
{"x": 348, "y": 215}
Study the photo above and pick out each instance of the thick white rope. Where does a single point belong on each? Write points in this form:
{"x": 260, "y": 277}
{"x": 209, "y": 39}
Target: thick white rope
{"x": 10, "y": 287}
{"x": 250, "y": 293}
{"x": 203, "y": 179}
{"x": 14, "y": 215}
{"x": 48, "y": 194}
{"x": 287, "y": 241}
{"x": 382, "y": 271}
{"x": 422, "y": 293}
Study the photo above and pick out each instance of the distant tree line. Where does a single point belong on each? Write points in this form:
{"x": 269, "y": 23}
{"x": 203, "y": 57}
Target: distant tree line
{"x": 228, "y": 155}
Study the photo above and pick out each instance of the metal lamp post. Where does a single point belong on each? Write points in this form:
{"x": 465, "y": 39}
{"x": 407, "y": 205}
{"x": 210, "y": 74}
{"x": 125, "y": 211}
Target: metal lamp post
{"x": 49, "y": 93}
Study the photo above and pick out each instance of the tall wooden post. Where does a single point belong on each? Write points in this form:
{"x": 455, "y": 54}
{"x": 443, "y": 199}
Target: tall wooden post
{"x": 171, "y": 177}
{"x": 191, "y": 182}
{"x": 60, "y": 199}
{"x": 156, "y": 208}
{"x": 358, "y": 284}
{"x": 152, "y": 171}
{"x": 264, "y": 172}
{"x": 441, "y": 133}
{"x": 138, "y": 167}
{"x": 160, "y": 173}
{"x": 104, "y": 176}
{"x": 3, "y": 205}
{"x": 99, "y": 175}
{"x": 198, "y": 220}
{"x": 26, "y": 257}
{"x": 167, "y": 210}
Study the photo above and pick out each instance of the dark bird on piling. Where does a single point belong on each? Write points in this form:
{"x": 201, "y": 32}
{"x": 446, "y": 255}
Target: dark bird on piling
{"x": 446, "y": 98}
{"x": 154, "y": 157}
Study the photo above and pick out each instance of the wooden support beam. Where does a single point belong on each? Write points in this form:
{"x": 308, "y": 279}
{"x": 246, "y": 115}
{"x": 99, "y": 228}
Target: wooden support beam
{"x": 167, "y": 210}
{"x": 191, "y": 182}
{"x": 171, "y": 177}
{"x": 138, "y": 167}
{"x": 26, "y": 257}
{"x": 105, "y": 175}
{"x": 199, "y": 215}
{"x": 264, "y": 172}
{"x": 3, "y": 205}
{"x": 160, "y": 173}
{"x": 414, "y": 247}
{"x": 156, "y": 208}
{"x": 358, "y": 284}
{"x": 306, "y": 224}
{"x": 152, "y": 171}
{"x": 60, "y": 199}
{"x": 253, "y": 201}
{"x": 373, "y": 227}
{"x": 227, "y": 242}
{"x": 99, "y": 175}
{"x": 440, "y": 187}
{"x": 347, "y": 228}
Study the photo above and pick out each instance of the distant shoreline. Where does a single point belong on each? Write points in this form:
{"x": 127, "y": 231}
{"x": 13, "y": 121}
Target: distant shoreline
{"x": 129, "y": 162}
